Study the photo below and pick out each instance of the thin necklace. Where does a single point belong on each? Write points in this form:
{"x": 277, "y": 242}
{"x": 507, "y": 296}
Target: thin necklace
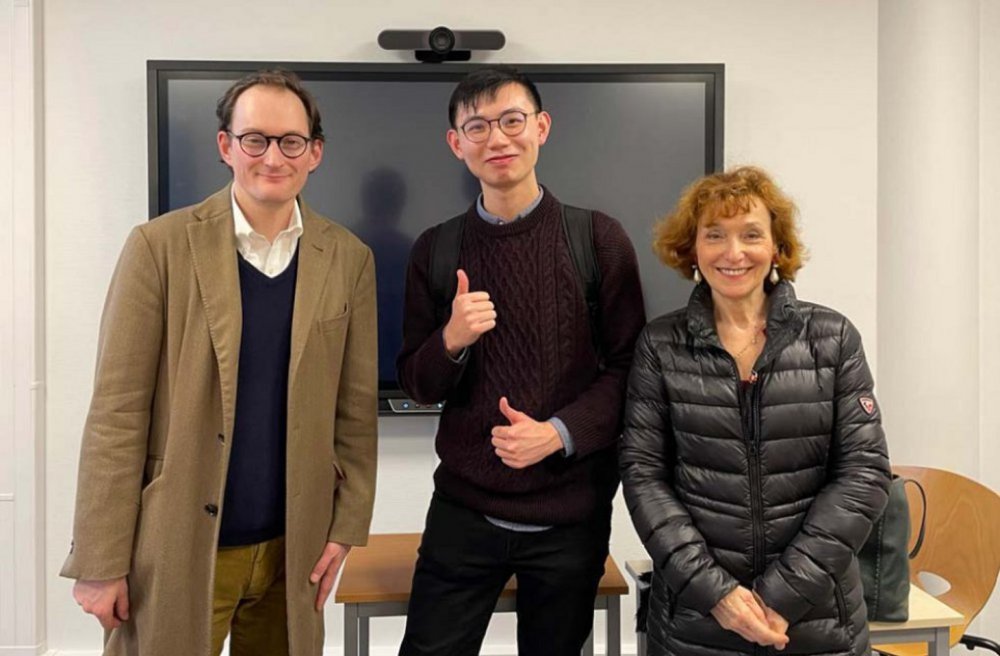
{"x": 753, "y": 342}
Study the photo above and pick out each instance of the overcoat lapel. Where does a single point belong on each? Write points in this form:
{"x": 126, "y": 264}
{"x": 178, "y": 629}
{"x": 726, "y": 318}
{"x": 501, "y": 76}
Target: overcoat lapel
{"x": 316, "y": 250}
{"x": 213, "y": 253}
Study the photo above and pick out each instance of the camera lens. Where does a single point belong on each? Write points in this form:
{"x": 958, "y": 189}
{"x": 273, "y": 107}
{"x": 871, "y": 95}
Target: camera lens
{"x": 441, "y": 40}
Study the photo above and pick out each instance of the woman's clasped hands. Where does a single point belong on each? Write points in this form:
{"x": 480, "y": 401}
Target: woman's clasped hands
{"x": 745, "y": 613}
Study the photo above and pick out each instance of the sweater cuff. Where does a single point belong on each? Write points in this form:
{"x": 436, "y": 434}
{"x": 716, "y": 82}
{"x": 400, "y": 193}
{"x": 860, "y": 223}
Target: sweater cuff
{"x": 441, "y": 356}
{"x": 567, "y": 439}
{"x": 462, "y": 356}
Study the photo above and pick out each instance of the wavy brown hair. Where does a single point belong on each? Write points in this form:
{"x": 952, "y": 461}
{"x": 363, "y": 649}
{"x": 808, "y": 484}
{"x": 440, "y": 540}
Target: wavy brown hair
{"x": 722, "y": 195}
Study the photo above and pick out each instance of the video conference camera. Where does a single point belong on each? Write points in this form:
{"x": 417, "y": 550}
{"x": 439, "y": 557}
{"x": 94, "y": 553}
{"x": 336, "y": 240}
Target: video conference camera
{"x": 441, "y": 44}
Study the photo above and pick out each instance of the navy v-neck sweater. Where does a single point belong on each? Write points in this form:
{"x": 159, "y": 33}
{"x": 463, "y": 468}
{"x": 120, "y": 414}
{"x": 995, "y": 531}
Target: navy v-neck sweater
{"x": 254, "y": 506}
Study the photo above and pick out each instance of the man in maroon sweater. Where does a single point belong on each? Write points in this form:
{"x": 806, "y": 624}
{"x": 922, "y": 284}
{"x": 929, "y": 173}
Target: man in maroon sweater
{"x": 528, "y": 436}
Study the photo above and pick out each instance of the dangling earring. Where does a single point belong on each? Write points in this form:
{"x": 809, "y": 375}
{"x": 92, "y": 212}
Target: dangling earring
{"x": 696, "y": 275}
{"x": 775, "y": 277}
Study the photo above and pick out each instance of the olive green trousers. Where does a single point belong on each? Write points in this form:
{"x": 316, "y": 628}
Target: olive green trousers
{"x": 249, "y": 602}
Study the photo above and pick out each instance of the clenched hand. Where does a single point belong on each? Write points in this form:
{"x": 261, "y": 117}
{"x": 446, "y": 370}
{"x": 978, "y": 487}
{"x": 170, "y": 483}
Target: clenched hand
{"x": 105, "y": 600}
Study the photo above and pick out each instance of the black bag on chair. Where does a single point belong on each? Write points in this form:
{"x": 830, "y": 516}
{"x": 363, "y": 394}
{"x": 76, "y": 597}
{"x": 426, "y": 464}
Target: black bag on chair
{"x": 884, "y": 561}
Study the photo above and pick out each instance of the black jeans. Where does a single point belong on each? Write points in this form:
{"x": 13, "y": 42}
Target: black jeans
{"x": 465, "y": 561}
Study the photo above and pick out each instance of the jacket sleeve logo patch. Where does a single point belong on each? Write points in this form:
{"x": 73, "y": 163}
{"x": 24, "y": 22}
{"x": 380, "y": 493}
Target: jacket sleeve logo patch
{"x": 867, "y": 404}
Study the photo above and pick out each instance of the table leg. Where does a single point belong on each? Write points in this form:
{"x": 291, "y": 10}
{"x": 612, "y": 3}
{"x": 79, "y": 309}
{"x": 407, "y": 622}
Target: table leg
{"x": 938, "y": 646}
{"x": 351, "y": 630}
{"x": 614, "y": 625}
{"x": 588, "y": 647}
{"x": 362, "y": 636}
{"x": 640, "y": 636}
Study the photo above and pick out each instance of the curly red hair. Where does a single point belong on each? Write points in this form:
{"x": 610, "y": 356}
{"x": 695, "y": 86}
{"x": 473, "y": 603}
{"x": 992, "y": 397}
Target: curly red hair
{"x": 725, "y": 195}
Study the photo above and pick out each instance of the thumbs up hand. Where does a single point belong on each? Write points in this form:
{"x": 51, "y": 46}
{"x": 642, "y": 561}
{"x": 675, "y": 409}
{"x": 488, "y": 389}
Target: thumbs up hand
{"x": 526, "y": 441}
{"x": 472, "y": 314}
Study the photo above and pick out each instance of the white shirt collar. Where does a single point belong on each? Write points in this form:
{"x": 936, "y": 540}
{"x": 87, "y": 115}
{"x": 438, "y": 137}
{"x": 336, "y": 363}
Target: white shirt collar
{"x": 244, "y": 231}
{"x": 270, "y": 258}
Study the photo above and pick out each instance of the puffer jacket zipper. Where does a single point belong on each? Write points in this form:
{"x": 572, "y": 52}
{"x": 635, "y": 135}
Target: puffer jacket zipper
{"x": 750, "y": 416}
{"x": 756, "y": 484}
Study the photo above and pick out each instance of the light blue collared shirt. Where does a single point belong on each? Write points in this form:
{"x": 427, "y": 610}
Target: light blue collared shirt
{"x": 489, "y": 217}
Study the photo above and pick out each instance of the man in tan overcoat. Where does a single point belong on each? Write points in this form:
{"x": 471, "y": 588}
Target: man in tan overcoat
{"x": 228, "y": 459}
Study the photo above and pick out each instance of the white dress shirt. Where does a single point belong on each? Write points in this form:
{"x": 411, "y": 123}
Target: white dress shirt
{"x": 267, "y": 257}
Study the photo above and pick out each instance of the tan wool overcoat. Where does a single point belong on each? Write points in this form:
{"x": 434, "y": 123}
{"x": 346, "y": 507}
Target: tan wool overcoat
{"x": 158, "y": 435}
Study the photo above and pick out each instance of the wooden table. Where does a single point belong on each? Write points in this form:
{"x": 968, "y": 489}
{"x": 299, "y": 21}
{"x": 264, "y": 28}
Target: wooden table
{"x": 929, "y": 620}
{"x": 376, "y": 583}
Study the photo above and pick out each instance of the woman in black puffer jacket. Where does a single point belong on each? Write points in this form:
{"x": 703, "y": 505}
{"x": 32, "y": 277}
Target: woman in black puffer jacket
{"x": 753, "y": 460}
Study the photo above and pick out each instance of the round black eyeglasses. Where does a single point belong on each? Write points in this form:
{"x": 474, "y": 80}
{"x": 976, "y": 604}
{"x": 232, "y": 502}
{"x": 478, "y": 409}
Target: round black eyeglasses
{"x": 256, "y": 144}
{"x": 511, "y": 123}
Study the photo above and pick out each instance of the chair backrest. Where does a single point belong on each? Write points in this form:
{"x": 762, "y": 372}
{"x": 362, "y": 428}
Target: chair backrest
{"x": 962, "y": 540}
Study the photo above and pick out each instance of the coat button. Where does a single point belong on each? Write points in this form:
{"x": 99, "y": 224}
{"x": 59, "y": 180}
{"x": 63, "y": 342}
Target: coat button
{"x": 222, "y": 438}
{"x": 212, "y": 509}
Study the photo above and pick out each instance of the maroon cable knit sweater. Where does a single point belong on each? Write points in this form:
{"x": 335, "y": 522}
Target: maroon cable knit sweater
{"x": 540, "y": 355}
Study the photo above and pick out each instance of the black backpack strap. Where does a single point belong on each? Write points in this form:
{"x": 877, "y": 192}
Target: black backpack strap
{"x": 578, "y": 226}
{"x": 445, "y": 248}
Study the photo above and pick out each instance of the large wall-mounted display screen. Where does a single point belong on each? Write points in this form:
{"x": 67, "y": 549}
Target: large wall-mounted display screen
{"x": 625, "y": 139}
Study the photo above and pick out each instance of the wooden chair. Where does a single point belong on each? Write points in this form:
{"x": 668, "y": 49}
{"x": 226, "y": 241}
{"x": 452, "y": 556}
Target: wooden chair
{"x": 961, "y": 546}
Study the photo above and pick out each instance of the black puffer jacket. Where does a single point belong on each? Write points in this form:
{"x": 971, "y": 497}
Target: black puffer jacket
{"x": 774, "y": 487}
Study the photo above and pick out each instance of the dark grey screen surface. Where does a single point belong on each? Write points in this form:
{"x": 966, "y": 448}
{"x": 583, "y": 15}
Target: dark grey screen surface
{"x": 624, "y": 147}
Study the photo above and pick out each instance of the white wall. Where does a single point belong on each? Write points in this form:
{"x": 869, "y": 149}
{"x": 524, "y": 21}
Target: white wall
{"x": 938, "y": 300}
{"x": 989, "y": 273}
{"x": 928, "y": 225}
{"x": 801, "y": 100}
{"x": 22, "y": 361}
